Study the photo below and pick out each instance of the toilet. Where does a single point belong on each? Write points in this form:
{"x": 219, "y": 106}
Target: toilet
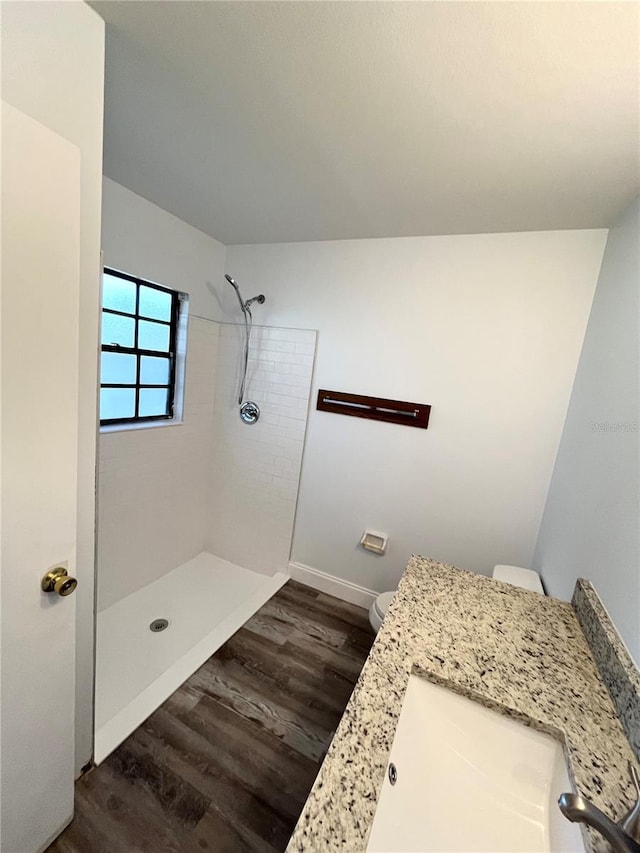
{"x": 378, "y": 609}
{"x": 515, "y": 575}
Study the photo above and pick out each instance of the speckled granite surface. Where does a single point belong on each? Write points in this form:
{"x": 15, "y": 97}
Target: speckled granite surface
{"x": 510, "y": 649}
{"x": 614, "y": 662}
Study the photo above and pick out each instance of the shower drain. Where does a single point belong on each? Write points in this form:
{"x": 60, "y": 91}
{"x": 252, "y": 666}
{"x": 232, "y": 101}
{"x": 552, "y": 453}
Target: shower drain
{"x": 159, "y": 625}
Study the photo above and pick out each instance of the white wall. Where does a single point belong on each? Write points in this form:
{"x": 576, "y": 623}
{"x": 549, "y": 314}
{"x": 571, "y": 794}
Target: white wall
{"x": 590, "y": 525}
{"x": 154, "y": 483}
{"x": 53, "y": 70}
{"x": 142, "y": 239}
{"x": 485, "y": 328}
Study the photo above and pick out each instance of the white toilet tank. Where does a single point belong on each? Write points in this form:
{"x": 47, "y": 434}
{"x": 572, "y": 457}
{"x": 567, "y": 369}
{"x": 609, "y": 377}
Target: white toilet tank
{"x": 517, "y": 576}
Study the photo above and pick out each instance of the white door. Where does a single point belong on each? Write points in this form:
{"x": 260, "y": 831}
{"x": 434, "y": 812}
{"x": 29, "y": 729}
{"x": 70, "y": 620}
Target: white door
{"x": 38, "y": 467}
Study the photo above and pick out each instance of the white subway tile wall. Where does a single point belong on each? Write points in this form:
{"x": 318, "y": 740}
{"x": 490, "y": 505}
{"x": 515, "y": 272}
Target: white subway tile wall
{"x": 154, "y": 483}
{"x": 256, "y": 468}
{"x": 211, "y": 483}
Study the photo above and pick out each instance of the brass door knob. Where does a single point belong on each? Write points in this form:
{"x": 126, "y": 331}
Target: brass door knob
{"x": 58, "y": 581}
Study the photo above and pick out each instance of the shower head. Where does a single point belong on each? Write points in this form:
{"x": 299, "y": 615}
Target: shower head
{"x": 246, "y": 306}
{"x": 237, "y": 290}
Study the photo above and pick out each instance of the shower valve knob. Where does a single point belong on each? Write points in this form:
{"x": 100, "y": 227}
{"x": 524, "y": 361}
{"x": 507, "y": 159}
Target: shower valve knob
{"x": 249, "y": 412}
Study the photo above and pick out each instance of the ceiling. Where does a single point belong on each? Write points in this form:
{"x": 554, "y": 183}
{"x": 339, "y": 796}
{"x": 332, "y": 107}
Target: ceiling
{"x": 286, "y": 121}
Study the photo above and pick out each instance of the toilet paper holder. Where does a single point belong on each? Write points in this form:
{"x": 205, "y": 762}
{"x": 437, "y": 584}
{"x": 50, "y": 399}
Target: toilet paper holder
{"x": 374, "y": 541}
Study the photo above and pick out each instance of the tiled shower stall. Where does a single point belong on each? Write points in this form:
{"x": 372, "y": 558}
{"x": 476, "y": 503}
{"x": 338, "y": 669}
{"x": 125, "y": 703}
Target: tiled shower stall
{"x": 195, "y": 519}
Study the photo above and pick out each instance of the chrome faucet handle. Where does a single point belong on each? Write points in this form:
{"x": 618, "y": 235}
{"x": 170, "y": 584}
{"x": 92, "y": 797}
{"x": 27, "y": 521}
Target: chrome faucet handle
{"x": 630, "y": 823}
{"x": 580, "y": 810}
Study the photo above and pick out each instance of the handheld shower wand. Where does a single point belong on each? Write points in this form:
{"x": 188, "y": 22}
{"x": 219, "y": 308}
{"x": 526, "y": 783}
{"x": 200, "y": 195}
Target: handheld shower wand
{"x": 244, "y": 305}
{"x": 249, "y": 412}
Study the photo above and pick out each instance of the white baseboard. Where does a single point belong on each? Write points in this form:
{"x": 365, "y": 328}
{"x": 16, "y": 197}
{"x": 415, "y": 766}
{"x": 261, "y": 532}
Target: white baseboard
{"x": 331, "y": 585}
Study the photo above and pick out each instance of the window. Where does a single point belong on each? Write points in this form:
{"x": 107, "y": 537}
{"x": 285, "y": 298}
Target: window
{"x": 138, "y": 359}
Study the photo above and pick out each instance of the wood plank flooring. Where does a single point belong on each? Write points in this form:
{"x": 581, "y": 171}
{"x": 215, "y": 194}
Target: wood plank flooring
{"x": 226, "y": 763}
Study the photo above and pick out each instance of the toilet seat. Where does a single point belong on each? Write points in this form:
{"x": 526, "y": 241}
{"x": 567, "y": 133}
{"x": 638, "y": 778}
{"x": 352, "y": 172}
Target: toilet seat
{"x": 382, "y": 603}
{"x": 378, "y": 609}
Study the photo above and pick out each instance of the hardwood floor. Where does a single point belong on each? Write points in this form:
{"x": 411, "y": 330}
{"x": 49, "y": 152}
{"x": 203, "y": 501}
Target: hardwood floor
{"x": 226, "y": 763}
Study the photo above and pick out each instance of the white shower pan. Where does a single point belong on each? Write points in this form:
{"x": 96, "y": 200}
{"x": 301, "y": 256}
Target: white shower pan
{"x": 468, "y": 779}
{"x": 205, "y": 601}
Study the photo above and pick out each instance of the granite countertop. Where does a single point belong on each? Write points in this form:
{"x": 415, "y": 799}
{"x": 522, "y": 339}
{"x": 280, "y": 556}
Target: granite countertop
{"x": 516, "y": 651}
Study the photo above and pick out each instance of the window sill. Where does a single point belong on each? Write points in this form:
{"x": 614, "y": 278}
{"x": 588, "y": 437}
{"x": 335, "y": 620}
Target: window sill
{"x": 109, "y": 428}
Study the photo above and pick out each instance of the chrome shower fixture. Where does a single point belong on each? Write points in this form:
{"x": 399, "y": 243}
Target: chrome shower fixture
{"x": 249, "y": 412}
{"x": 245, "y": 306}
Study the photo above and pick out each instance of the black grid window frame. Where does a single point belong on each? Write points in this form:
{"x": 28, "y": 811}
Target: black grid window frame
{"x": 170, "y": 356}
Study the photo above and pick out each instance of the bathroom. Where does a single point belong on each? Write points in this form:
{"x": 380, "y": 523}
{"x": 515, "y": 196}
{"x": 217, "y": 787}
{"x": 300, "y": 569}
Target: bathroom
{"x": 508, "y": 304}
